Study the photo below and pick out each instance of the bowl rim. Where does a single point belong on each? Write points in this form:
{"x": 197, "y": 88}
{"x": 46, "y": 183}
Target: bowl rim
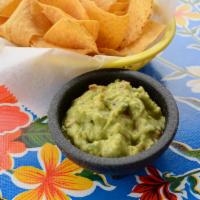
{"x": 78, "y": 155}
{"x": 149, "y": 53}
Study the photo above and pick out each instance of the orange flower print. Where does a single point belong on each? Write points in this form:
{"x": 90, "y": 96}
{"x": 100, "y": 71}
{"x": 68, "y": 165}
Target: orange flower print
{"x": 184, "y": 13}
{"x": 6, "y": 96}
{"x": 10, "y": 147}
{"x": 53, "y": 182}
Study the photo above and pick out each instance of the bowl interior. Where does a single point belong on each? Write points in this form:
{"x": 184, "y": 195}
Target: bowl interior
{"x": 78, "y": 86}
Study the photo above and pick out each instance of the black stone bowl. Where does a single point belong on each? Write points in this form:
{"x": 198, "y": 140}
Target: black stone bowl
{"x": 112, "y": 166}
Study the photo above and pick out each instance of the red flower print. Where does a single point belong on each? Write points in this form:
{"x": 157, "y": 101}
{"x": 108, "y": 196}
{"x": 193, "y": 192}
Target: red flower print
{"x": 11, "y": 117}
{"x": 153, "y": 187}
{"x": 9, "y": 147}
{"x": 6, "y": 96}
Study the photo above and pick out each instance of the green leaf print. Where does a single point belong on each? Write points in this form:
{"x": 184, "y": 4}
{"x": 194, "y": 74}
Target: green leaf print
{"x": 174, "y": 76}
{"x": 1, "y": 197}
{"x": 190, "y": 101}
{"x": 177, "y": 184}
{"x": 186, "y": 151}
{"x": 183, "y": 33}
{"x": 195, "y": 1}
{"x": 37, "y": 134}
{"x": 174, "y": 186}
{"x": 185, "y": 1}
{"x": 194, "y": 185}
{"x": 94, "y": 177}
{"x": 195, "y": 30}
{"x": 194, "y": 46}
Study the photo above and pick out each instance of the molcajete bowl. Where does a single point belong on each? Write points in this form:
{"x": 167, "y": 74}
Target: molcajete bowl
{"x": 113, "y": 166}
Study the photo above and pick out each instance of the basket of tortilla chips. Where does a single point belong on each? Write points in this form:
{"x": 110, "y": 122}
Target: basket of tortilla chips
{"x": 126, "y": 29}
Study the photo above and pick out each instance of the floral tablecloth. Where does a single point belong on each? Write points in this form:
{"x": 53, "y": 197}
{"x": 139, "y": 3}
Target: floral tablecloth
{"x": 33, "y": 168}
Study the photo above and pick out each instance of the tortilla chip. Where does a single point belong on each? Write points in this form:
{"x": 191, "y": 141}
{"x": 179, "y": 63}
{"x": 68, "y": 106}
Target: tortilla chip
{"x": 41, "y": 43}
{"x": 54, "y": 14}
{"x": 92, "y": 27}
{"x": 119, "y": 6}
{"x": 150, "y": 34}
{"x": 110, "y": 52}
{"x": 38, "y": 17}
{"x": 72, "y": 7}
{"x": 7, "y": 7}
{"x": 127, "y": 1}
{"x": 157, "y": 10}
{"x": 2, "y": 20}
{"x": 120, "y": 13}
{"x": 139, "y": 12}
{"x": 70, "y": 34}
{"x": 20, "y": 28}
{"x": 113, "y": 28}
{"x": 105, "y": 4}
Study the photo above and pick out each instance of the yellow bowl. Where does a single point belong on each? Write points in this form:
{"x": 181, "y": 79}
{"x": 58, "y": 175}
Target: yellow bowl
{"x": 137, "y": 61}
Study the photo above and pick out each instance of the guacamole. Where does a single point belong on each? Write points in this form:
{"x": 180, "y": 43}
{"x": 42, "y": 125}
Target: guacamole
{"x": 114, "y": 121}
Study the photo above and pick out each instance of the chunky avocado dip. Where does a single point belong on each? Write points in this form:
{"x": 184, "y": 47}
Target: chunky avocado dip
{"x": 114, "y": 121}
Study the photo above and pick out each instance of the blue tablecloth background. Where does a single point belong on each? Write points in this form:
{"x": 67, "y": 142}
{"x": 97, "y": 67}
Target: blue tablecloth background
{"x": 175, "y": 175}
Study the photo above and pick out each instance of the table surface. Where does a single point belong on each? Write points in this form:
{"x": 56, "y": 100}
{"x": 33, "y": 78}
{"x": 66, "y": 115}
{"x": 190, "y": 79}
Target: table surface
{"x": 33, "y": 168}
